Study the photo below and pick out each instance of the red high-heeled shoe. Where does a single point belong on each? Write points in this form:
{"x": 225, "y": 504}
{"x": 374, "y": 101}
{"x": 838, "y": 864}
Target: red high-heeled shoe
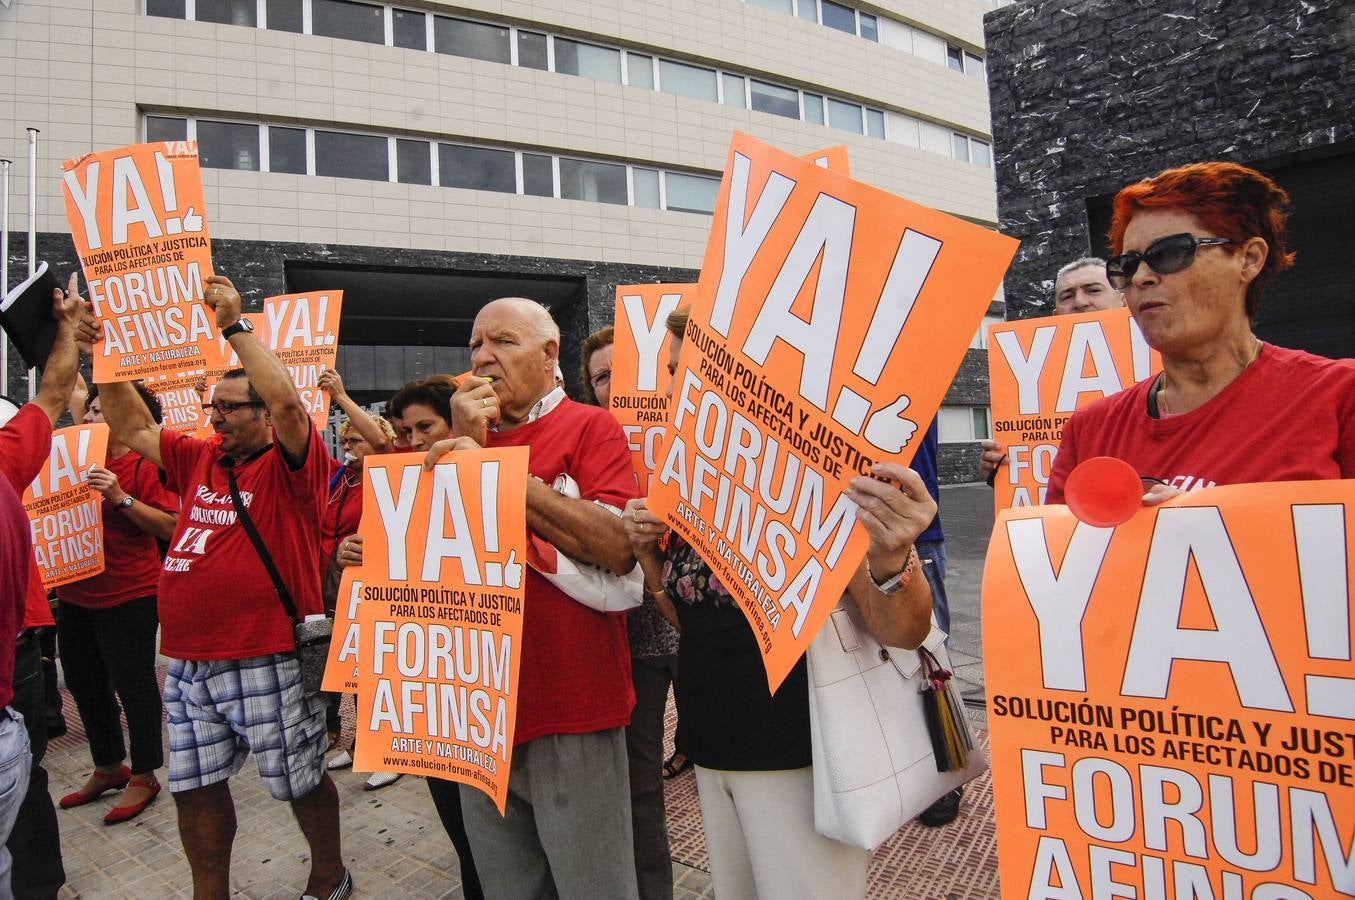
{"x": 123, "y": 813}
{"x": 103, "y": 783}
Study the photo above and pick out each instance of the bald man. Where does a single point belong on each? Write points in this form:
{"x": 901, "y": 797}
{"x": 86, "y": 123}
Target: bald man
{"x": 566, "y": 830}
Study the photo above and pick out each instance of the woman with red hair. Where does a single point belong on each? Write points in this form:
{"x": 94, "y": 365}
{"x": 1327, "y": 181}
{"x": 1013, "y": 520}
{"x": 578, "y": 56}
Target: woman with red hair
{"x": 1194, "y": 249}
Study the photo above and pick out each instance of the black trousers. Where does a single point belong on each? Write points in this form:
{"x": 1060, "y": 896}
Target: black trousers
{"x": 447, "y": 799}
{"x": 112, "y": 651}
{"x": 35, "y": 842}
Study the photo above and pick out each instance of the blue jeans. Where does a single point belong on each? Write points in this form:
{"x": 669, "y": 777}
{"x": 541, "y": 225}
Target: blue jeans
{"x": 15, "y": 759}
{"x": 932, "y": 555}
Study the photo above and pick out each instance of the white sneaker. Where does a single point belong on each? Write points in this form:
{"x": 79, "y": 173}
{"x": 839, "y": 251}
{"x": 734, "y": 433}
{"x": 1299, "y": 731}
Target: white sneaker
{"x": 341, "y": 760}
{"x": 377, "y": 780}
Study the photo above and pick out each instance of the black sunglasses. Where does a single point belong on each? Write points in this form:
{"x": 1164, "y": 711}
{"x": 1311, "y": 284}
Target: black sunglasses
{"x": 226, "y": 407}
{"x": 1164, "y": 256}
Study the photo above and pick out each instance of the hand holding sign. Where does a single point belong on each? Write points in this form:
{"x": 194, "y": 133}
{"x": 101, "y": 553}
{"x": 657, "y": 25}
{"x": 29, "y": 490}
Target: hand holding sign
{"x": 892, "y": 516}
{"x": 222, "y": 298}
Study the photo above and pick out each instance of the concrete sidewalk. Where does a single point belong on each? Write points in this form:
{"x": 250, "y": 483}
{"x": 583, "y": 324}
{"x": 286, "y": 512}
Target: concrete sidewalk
{"x": 392, "y": 838}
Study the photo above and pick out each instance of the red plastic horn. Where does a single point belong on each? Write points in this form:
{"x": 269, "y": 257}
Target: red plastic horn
{"x": 1103, "y": 491}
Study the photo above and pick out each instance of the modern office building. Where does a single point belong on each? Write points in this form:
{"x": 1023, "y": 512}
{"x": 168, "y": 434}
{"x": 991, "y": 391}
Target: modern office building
{"x": 427, "y": 157}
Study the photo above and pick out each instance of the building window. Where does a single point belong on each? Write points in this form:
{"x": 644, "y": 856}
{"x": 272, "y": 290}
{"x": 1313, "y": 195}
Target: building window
{"x": 980, "y": 339}
{"x": 413, "y": 162}
{"x": 639, "y": 70}
{"x": 781, "y": 6}
{"x": 477, "y": 168}
{"x": 163, "y": 128}
{"x": 936, "y": 139}
{"x": 734, "y": 90}
{"x": 473, "y": 40}
{"x": 587, "y": 60}
{"x": 646, "y": 183}
{"x": 348, "y": 20}
{"x": 284, "y": 15}
{"x": 963, "y": 424}
{"x": 844, "y": 115}
{"x": 814, "y": 109}
{"x": 981, "y": 154}
{"x": 955, "y": 58}
{"x": 532, "y": 50}
{"x": 409, "y": 29}
{"x": 287, "y": 150}
{"x": 835, "y": 15}
{"x": 343, "y": 155}
{"x": 688, "y": 81}
{"x": 973, "y": 66}
{"x": 903, "y": 129}
{"x": 870, "y": 28}
{"x": 169, "y": 9}
{"x": 807, "y": 9}
{"x": 960, "y": 144}
{"x": 774, "y": 99}
{"x": 228, "y": 145}
{"x": 691, "y": 193}
{"x": 226, "y": 12}
{"x": 538, "y": 179}
{"x": 595, "y": 181}
{"x": 875, "y": 123}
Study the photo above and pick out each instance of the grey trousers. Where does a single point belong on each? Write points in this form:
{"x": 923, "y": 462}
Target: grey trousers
{"x": 566, "y": 831}
{"x": 644, "y": 744}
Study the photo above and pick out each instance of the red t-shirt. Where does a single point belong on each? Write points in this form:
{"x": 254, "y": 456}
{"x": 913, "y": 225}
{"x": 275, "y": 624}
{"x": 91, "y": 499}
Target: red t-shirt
{"x": 25, "y": 442}
{"x": 1290, "y": 416}
{"x": 16, "y": 555}
{"x": 216, "y": 598}
{"x": 131, "y": 557}
{"x": 575, "y": 661}
{"x": 343, "y": 511}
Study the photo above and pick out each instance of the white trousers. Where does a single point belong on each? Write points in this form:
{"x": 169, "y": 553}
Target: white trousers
{"x": 762, "y": 843}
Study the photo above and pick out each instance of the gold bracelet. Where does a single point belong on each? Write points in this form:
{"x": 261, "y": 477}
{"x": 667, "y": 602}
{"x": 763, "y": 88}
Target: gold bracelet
{"x": 656, "y": 592}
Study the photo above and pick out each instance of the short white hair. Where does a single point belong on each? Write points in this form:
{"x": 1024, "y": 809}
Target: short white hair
{"x": 539, "y": 313}
{"x": 1082, "y": 263}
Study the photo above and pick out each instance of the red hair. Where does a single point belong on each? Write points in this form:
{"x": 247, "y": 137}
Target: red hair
{"x": 1230, "y": 200}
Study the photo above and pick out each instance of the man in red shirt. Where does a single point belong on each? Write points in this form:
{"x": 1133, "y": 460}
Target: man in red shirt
{"x": 566, "y": 830}
{"x": 25, "y": 442}
{"x": 234, "y": 682}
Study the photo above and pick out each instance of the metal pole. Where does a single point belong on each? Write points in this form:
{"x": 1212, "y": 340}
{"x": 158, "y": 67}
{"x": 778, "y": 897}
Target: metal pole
{"x": 4, "y": 271}
{"x": 32, "y": 229}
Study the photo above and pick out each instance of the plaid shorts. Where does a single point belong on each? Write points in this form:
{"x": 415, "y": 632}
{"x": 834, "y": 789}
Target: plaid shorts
{"x": 220, "y": 710}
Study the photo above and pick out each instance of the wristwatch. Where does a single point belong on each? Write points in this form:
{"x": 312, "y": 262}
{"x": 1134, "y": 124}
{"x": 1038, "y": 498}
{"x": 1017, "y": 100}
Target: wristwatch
{"x": 126, "y": 502}
{"x": 241, "y": 324}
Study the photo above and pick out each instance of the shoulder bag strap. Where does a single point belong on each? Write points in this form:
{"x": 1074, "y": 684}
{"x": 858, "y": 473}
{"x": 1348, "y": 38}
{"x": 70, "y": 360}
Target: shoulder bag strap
{"x": 283, "y": 594}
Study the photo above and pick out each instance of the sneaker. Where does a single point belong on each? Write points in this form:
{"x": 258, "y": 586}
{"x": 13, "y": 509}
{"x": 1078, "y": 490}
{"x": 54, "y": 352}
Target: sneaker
{"x": 377, "y": 780}
{"x": 341, "y": 760}
{"x": 943, "y": 811}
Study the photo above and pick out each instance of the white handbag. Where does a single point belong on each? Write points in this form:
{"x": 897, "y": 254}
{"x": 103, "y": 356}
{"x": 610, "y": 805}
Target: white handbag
{"x": 874, "y": 762}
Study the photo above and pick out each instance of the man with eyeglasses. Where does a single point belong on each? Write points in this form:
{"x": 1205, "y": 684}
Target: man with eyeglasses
{"x": 234, "y": 682}
{"x": 1079, "y": 287}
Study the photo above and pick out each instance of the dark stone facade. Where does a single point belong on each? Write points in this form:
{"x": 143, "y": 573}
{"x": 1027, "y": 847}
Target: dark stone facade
{"x": 1090, "y": 95}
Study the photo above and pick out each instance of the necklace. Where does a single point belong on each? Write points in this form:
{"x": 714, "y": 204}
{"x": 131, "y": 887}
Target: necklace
{"x": 1162, "y": 385}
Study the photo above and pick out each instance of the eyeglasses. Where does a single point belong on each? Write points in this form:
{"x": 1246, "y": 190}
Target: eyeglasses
{"x": 1164, "y": 256}
{"x": 601, "y": 378}
{"x": 226, "y": 407}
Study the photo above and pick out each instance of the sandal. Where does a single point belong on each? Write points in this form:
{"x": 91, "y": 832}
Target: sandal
{"x": 132, "y": 810}
{"x": 672, "y": 768}
{"x": 99, "y": 784}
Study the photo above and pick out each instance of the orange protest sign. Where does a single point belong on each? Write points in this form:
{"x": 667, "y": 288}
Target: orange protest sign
{"x": 65, "y": 513}
{"x": 180, "y": 400}
{"x": 303, "y": 331}
{"x": 1039, "y": 372}
{"x": 829, "y": 319}
{"x": 137, "y": 219}
{"x": 341, "y": 670}
{"x": 640, "y": 367}
{"x": 1172, "y": 703}
{"x": 440, "y": 618}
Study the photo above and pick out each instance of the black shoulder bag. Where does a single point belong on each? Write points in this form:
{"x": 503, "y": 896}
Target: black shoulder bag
{"x": 311, "y": 636}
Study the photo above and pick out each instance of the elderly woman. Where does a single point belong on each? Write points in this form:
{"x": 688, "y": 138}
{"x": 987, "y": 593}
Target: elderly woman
{"x": 1194, "y": 249}
{"x": 752, "y": 748}
{"x": 424, "y": 409}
